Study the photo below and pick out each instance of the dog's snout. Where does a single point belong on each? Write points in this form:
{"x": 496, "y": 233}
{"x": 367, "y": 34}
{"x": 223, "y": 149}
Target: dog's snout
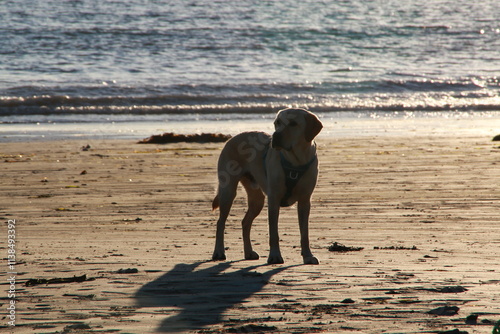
{"x": 276, "y": 140}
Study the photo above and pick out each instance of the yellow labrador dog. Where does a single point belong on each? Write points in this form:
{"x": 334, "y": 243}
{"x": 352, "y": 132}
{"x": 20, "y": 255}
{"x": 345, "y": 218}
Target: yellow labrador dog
{"x": 283, "y": 166}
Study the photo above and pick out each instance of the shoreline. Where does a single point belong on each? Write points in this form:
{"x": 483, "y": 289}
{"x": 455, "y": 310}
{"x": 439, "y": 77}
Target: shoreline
{"x": 336, "y": 125}
{"x": 136, "y": 220}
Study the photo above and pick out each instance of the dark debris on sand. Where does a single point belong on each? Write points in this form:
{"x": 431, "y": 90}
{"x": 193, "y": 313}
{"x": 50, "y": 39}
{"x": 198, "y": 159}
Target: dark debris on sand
{"x": 445, "y": 311}
{"x": 42, "y": 281}
{"x": 338, "y": 247}
{"x": 170, "y": 137}
{"x": 395, "y": 248}
{"x": 252, "y": 328}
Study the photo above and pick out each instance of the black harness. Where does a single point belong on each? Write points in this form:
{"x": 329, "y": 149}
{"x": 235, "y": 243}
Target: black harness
{"x": 293, "y": 174}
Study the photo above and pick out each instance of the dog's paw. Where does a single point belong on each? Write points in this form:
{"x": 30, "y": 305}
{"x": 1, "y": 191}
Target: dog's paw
{"x": 218, "y": 256}
{"x": 275, "y": 259}
{"x": 310, "y": 260}
{"x": 252, "y": 256}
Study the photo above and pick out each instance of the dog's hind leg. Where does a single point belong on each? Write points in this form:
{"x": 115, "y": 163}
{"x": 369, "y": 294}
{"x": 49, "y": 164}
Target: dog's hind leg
{"x": 256, "y": 201}
{"x": 225, "y": 197}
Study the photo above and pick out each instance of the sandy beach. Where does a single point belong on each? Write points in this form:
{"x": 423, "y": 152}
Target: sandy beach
{"x": 136, "y": 220}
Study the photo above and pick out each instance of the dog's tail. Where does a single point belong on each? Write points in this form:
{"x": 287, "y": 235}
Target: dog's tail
{"x": 215, "y": 203}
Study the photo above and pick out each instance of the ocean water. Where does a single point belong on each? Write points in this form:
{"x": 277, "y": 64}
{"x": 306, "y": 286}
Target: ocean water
{"x": 165, "y": 63}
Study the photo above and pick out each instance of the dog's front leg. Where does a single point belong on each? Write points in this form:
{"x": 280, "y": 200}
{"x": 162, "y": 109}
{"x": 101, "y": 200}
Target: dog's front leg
{"x": 274, "y": 239}
{"x": 303, "y": 209}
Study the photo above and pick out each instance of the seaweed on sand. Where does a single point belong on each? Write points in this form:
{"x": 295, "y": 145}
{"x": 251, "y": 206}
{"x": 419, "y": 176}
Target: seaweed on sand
{"x": 170, "y": 137}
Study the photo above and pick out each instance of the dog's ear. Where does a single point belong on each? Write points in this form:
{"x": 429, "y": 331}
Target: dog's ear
{"x": 313, "y": 126}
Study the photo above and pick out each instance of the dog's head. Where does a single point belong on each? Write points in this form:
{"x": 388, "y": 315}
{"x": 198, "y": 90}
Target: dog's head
{"x": 294, "y": 126}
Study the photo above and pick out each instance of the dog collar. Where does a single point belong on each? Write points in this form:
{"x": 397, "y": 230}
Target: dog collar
{"x": 292, "y": 176}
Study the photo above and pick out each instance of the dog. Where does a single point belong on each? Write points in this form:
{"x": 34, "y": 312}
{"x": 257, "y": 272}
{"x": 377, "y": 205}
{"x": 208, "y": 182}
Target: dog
{"x": 283, "y": 166}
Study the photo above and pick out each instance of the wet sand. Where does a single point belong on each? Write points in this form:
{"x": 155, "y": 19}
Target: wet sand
{"x": 137, "y": 221}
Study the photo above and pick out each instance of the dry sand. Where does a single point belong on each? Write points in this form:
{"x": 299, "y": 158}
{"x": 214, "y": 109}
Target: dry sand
{"x": 120, "y": 205}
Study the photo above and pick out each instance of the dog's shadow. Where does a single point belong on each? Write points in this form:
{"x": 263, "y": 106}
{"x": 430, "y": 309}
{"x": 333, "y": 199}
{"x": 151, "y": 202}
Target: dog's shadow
{"x": 199, "y": 298}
